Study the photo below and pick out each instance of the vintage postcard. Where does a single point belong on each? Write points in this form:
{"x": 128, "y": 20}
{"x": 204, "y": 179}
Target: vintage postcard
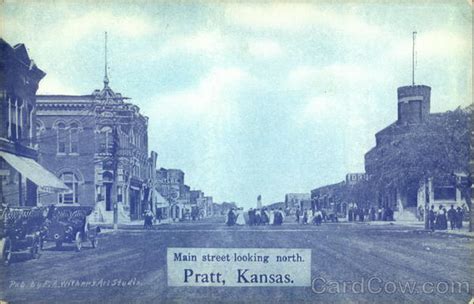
{"x": 236, "y": 151}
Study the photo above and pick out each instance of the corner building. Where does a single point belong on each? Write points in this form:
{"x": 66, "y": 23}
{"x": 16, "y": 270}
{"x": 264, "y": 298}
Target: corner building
{"x": 98, "y": 145}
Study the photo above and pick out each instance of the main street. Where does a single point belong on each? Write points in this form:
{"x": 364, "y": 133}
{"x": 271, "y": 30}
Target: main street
{"x": 342, "y": 253}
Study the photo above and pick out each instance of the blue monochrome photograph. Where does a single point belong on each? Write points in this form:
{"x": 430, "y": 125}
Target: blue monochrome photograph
{"x": 157, "y": 151}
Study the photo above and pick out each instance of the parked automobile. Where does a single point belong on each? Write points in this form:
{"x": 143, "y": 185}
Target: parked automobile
{"x": 21, "y": 232}
{"x": 68, "y": 224}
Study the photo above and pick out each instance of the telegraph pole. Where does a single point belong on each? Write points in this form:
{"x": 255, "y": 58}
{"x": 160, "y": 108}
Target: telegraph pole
{"x": 113, "y": 194}
{"x": 413, "y": 60}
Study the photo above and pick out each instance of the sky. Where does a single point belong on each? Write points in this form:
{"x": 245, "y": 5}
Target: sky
{"x": 252, "y": 98}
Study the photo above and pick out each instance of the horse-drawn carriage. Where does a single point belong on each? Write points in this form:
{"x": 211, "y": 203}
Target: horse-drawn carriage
{"x": 21, "y": 232}
{"x": 68, "y": 224}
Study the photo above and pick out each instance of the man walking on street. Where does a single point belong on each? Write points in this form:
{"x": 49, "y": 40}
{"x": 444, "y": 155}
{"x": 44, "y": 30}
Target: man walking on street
{"x": 431, "y": 218}
{"x": 452, "y": 217}
{"x": 297, "y": 213}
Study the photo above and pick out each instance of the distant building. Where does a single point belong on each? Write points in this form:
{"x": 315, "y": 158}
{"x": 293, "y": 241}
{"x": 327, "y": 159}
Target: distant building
{"x": 277, "y": 205}
{"x": 331, "y": 197}
{"x": 294, "y": 200}
{"x": 170, "y": 184}
{"x": 207, "y": 208}
{"x": 98, "y": 145}
{"x": 22, "y": 179}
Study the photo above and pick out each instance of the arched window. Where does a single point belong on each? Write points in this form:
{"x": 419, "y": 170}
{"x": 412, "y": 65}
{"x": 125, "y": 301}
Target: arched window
{"x": 62, "y": 137}
{"x": 74, "y": 137}
{"x": 70, "y": 180}
{"x": 106, "y": 140}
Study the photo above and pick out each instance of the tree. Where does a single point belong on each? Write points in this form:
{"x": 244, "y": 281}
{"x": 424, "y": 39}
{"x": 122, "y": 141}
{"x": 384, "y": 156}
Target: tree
{"x": 438, "y": 147}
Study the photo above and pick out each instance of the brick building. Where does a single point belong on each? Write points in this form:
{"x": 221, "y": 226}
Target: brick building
{"x": 21, "y": 177}
{"x": 170, "y": 184}
{"x": 294, "y": 200}
{"x": 98, "y": 145}
{"x": 420, "y": 158}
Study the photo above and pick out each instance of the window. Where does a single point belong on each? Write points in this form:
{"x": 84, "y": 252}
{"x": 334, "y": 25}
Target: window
{"x": 13, "y": 118}
{"x": 62, "y": 137}
{"x": 74, "y": 138}
{"x": 71, "y": 181}
{"x": 444, "y": 193}
{"x": 106, "y": 140}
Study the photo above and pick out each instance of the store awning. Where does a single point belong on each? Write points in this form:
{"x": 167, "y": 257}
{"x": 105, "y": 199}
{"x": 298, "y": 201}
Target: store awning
{"x": 159, "y": 200}
{"x": 45, "y": 180}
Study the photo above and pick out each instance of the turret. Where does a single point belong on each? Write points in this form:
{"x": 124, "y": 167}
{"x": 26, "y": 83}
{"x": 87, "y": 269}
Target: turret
{"x": 413, "y": 104}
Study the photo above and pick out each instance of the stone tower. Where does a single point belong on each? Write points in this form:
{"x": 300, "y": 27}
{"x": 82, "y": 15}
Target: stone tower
{"x": 413, "y": 104}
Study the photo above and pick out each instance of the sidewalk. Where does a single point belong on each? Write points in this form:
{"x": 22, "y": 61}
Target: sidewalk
{"x": 136, "y": 224}
{"x": 421, "y": 226}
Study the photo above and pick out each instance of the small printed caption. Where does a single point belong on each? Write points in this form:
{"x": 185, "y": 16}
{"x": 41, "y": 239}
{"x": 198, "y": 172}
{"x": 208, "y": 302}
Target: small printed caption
{"x": 244, "y": 267}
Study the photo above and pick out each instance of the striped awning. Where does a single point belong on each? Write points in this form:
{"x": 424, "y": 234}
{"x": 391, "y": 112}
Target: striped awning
{"x": 29, "y": 168}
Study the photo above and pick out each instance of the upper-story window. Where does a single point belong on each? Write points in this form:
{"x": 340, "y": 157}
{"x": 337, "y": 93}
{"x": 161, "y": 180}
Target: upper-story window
{"x": 106, "y": 140}
{"x": 62, "y": 137}
{"x": 12, "y": 123}
{"x": 74, "y": 138}
{"x": 67, "y": 137}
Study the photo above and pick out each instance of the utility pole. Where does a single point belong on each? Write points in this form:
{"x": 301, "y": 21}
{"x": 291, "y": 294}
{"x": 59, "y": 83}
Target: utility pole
{"x": 413, "y": 60}
{"x": 428, "y": 187}
{"x": 115, "y": 180}
{"x": 113, "y": 194}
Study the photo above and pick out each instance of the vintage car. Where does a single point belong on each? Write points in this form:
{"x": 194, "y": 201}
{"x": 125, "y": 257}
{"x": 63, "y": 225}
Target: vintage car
{"x": 21, "y": 233}
{"x": 68, "y": 224}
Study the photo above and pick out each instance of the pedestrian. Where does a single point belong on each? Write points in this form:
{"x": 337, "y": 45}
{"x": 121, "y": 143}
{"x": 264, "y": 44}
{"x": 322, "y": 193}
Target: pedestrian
{"x": 441, "y": 221}
{"x": 318, "y": 218}
{"x": 361, "y": 214}
{"x": 298, "y": 213}
{"x": 258, "y": 217}
{"x": 372, "y": 213}
{"x": 265, "y": 216}
{"x": 350, "y": 214}
{"x": 422, "y": 213}
{"x": 452, "y": 217}
{"x": 459, "y": 217}
{"x": 278, "y": 218}
{"x": 282, "y": 215}
{"x": 240, "y": 217}
{"x": 159, "y": 215}
{"x": 148, "y": 220}
{"x": 231, "y": 218}
{"x": 305, "y": 217}
{"x": 251, "y": 214}
{"x": 379, "y": 214}
{"x": 431, "y": 218}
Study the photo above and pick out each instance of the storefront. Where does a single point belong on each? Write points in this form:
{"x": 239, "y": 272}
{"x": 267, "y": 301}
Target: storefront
{"x": 161, "y": 206}
{"x": 23, "y": 179}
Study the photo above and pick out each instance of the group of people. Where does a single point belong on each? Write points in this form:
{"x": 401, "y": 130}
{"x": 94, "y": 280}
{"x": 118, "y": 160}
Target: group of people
{"x": 255, "y": 217}
{"x": 306, "y": 216}
{"x": 360, "y": 214}
{"x": 438, "y": 220}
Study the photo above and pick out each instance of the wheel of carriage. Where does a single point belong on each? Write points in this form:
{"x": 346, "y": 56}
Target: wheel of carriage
{"x": 94, "y": 242}
{"x": 78, "y": 241}
{"x": 7, "y": 251}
